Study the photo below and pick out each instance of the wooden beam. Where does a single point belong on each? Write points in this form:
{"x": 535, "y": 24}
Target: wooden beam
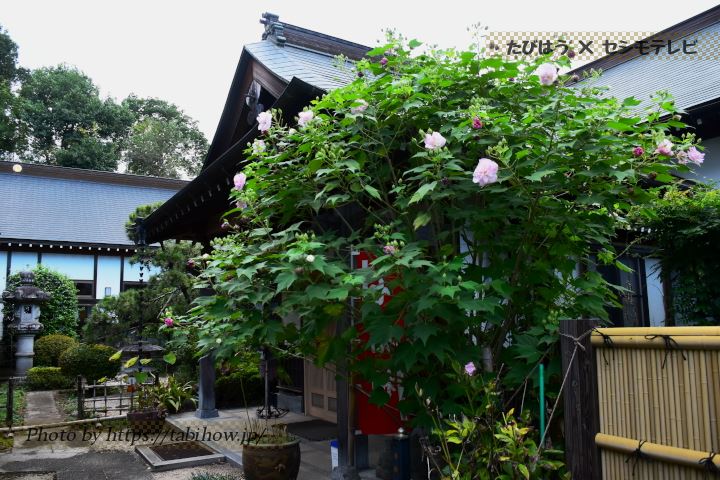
{"x": 580, "y": 396}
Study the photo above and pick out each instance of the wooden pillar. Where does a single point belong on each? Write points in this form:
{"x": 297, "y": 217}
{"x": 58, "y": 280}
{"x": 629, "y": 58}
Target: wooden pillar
{"x": 10, "y": 406}
{"x": 580, "y": 395}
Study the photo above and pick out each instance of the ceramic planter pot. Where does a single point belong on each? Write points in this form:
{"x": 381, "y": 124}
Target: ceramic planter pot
{"x": 271, "y": 462}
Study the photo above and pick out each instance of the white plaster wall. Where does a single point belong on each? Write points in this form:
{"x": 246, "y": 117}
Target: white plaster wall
{"x": 108, "y": 275}
{"x": 20, "y": 261}
{"x": 656, "y": 309}
{"x": 131, "y": 273}
{"x": 76, "y": 267}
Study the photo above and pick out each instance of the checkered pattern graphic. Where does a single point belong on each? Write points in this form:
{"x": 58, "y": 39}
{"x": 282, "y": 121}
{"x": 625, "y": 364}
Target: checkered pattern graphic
{"x": 588, "y": 46}
{"x": 149, "y": 426}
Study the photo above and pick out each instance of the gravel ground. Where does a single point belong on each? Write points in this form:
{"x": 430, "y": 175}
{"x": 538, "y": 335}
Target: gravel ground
{"x": 27, "y": 476}
{"x": 186, "y": 473}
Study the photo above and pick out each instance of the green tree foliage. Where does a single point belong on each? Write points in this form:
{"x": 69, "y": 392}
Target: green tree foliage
{"x": 474, "y": 184}
{"x": 58, "y": 117}
{"x": 49, "y": 348}
{"x": 114, "y": 319}
{"x": 67, "y": 121}
{"x": 60, "y": 313}
{"x": 685, "y": 225}
{"x": 143, "y": 211}
{"x": 163, "y": 141}
{"x": 90, "y": 361}
{"x": 173, "y": 284}
{"x": 10, "y": 74}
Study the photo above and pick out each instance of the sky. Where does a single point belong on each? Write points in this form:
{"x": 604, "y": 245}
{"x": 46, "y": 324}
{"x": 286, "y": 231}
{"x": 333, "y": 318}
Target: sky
{"x": 186, "y": 51}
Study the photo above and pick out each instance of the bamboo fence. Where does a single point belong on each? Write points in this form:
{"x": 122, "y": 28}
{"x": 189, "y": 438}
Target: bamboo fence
{"x": 659, "y": 402}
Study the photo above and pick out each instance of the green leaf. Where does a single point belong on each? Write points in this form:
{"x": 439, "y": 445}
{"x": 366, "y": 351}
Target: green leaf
{"x": 414, "y": 43}
{"x": 421, "y": 220}
{"x": 140, "y": 377}
{"x": 524, "y": 470}
{"x": 285, "y": 280}
{"x": 422, "y": 191}
{"x": 424, "y": 331}
{"x": 619, "y": 126}
{"x": 116, "y": 356}
{"x": 145, "y": 361}
{"x": 131, "y": 362}
{"x": 379, "y": 397}
{"x": 170, "y": 358}
{"x": 372, "y": 191}
{"x": 631, "y": 102}
{"x": 537, "y": 176}
{"x": 479, "y": 305}
{"x": 501, "y": 287}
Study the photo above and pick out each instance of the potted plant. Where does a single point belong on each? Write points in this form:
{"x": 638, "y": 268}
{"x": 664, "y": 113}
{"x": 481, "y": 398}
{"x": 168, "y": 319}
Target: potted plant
{"x": 172, "y": 395}
{"x": 148, "y": 415}
{"x": 270, "y": 452}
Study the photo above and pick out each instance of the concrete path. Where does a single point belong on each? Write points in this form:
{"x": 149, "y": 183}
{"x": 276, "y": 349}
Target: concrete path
{"x": 314, "y": 456}
{"x": 70, "y": 460}
{"x": 75, "y": 460}
{"x": 83, "y": 466}
{"x": 41, "y": 408}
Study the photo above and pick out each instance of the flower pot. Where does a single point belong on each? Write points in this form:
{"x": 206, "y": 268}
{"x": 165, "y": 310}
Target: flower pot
{"x": 271, "y": 461}
{"x": 149, "y": 420}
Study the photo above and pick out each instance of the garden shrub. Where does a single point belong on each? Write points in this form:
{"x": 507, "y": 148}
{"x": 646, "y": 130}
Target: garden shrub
{"x": 60, "y": 313}
{"x": 91, "y": 361}
{"x": 685, "y": 226}
{"x": 48, "y": 378}
{"x": 229, "y": 389}
{"x": 483, "y": 193}
{"x": 49, "y": 348}
{"x": 242, "y": 370}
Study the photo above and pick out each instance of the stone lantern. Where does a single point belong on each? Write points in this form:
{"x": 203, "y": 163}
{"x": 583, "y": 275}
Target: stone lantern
{"x": 26, "y": 324}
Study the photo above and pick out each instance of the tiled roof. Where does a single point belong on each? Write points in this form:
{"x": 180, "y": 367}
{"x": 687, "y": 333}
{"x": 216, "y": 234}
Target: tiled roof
{"x": 691, "y": 79}
{"x": 316, "y": 68}
{"x": 61, "y": 209}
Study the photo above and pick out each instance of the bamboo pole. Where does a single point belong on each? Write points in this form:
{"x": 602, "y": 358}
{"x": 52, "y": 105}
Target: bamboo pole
{"x": 680, "y": 456}
{"x": 715, "y": 404}
{"x": 615, "y": 400}
{"x": 667, "y": 414}
{"x": 700, "y": 358}
{"x": 602, "y": 399}
{"x": 678, "y": 342}
{"x": 629, "y": 424}
{"x": 655, "y": 388}
{"x": 21, "y": 428}
{"x": 612, "y": 388}
{"x": 620, "y": 401}
{"x": 687, "y": 407}
{"x": 641, "y": 395}
{"x": 642, "y": 331}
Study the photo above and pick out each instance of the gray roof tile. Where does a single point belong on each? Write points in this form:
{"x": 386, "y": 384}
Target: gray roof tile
{"x": 316, "y": 68}
{"x": 66, "y": 210}
{"x": 691, "y": 79}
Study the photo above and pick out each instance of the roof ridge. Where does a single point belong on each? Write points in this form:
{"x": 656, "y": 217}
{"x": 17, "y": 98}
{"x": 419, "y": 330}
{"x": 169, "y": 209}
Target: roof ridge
{"x": 282, "y": 34}
{"x": 97, "y": 176}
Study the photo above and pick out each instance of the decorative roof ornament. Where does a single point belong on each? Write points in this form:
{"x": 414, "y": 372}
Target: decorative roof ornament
{"x": 274, "y": 30}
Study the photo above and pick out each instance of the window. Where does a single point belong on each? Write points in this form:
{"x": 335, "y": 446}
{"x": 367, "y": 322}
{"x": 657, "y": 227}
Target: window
{"x": 133, "y": 285}
{"x": 85, "y": 288}
{"x": 633, "y": 297}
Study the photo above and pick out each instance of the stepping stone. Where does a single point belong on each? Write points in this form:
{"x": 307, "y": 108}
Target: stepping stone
{"x": 41, "y": 408}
